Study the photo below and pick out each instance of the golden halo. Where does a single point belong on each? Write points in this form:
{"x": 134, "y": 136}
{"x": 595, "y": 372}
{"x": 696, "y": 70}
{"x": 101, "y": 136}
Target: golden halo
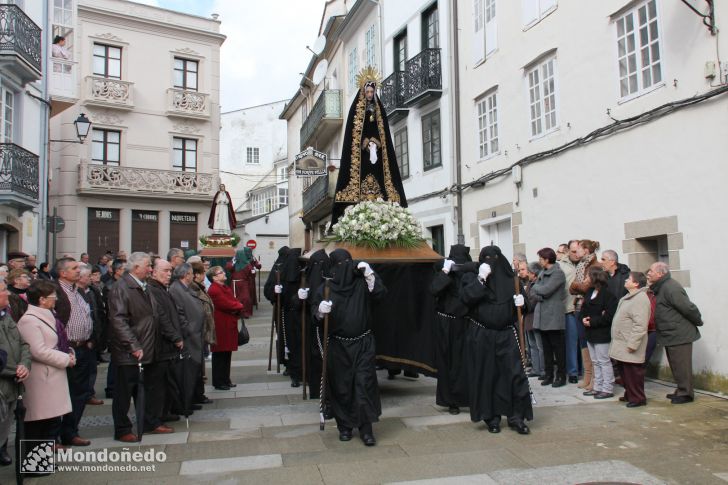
{"x": 368, "y": 74}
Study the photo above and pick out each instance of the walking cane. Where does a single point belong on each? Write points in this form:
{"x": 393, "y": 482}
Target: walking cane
{"x": 278, "y": 324}
{"x": 322, "y": 392}
{"x": 257, "y": 296}
{"x": 303, "y": 334}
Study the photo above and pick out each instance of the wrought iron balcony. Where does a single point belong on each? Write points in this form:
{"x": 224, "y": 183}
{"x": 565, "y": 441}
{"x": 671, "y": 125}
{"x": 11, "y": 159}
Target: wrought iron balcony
{"x": 324, "y": 120}
{"x": 188, "y": 104}
{"x": 20, "y": 51}
{"x": 424, "y": 77}
{"x": 18, "y": 177}
{"x": 144, "y": 182}
{"x": 109, "y": 93}
{"x": 318, "y": 198}
{"x": 394, "y": 92}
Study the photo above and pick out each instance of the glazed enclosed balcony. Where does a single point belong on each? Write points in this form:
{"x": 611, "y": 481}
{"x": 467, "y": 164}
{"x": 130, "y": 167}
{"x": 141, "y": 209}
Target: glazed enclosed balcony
{"x": 62, "y": 86}
{"x": 394, "y": 92}
{"x": 114, "y": 180}
{"x": 324, "y": 120}
{"x": 107, "y": 92}
{"x": 188, "y": 104}
{"x": 318, "y": 198}
{"x": 20, "y": 44}
{"x": 18, "y": 177}
{"x": 424, "y": 78}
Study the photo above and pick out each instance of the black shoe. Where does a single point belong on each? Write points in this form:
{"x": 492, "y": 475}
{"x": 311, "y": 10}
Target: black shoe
{"x": 5, "y": 458}
{"x": 533, "y": 374}
{"x": 285, "y": 372}
{"x": 454, "y": 410}
{"x": 603, "y": 395}
{"x": 681, "y": 399}
{"x": 168, "y": 418}
{"x": 204, "y": 400}
{"x": 558, "y": 382}
{"x": 413, "y": 375}
{"x": 547, "y": 381}
{"x": 295, "y": 383}
{"x": 222, "y": 388}
{"x": 230, "y": 384}
{"x": 493, "y": 425}
{"x": 369, "y": 439}
{"x": 636, "y": 404}
{"x": 109, "y": 394}
{"x": 672, "y": 395}
{"x": 195, "y": 407}
{"x": 345, "y": 435}
{"x": 573, "y": 379}
{"x": 540, "y": 378}
{"x": 519, "y": 426}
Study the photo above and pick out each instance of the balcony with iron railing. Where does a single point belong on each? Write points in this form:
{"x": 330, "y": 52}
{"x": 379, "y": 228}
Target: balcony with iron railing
{"x": 20, "y": 44}
{"x": 424, "y": 78}
{"x": 394, "y": 92}
{"x": 96, "y": 179}
{"x": 109, "y": 93}
{"x": 19, "y": 181}
{"x": 324, "y": 120}
{"x": 188, "y": 104}
{"x": 318, "y": 198}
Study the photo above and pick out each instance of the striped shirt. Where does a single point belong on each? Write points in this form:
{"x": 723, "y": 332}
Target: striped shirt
{"x": 80, "y": 326}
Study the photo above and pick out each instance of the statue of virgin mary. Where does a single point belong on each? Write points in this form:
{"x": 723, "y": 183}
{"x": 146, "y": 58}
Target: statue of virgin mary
{"x": 368, "y": 168}
{"x": 222, "y": 214}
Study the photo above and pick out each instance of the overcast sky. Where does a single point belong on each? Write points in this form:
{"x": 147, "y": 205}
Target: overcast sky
{"x": 265, "y": 47}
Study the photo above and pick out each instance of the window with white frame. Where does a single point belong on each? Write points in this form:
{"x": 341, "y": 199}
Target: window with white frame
{"x": 638, "y": 49}
{"x": 62, "y": 12}
{"x": 353, "y": 68}
{"x": 431, "y": 148}
{"x": 491, "y": 28}
{"x": 185, "y": 154}
{"x": 282, "y": 173}
{"x": 401, "y": 149}
{"x": 370, "y": 44}
{"x": 252, "y": 155}
{"x": 282, "y": 196}
{"x": 105, "y": 147}
{"x": 478, "y": 31}
{"x": 535, "y": 10}
{"x": 7, "y": 112}
{"x": 487, "y": 118}
{"x": 542, "y": 96}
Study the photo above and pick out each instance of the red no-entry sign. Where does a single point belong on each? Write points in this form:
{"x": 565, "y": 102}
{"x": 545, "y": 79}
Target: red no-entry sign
{"x": 251, "y": 244}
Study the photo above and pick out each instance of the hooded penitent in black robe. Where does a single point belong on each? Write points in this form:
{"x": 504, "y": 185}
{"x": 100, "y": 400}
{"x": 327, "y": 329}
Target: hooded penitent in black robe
{"x": 497, "y": 380}
{"x": 360, "y": 179}
{"x": 276, "y": 274}
{"x": 353, "y": 391}
{"x": 450, "y": 331}
{"x": 291, "y": 314}
{"x": 317, "y": 268}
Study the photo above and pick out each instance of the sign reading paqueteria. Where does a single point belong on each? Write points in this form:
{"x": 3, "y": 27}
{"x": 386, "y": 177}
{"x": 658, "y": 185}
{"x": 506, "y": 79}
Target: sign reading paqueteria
{"x": 310, "y": 162}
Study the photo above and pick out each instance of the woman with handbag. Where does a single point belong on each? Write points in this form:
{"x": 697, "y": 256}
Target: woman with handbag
{"x": 46, "y": 390}
{"x": 227, "y": 311}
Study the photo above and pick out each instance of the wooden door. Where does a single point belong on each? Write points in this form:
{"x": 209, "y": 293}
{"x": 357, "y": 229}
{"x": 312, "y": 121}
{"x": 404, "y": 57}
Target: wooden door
{"x": 103, "y": 232}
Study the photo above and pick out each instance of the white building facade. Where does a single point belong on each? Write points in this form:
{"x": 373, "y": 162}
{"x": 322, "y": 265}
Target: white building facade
{"x": 148, "y": 79}
{"x": 23, "y": 126}
{"x": 544, "y": 75}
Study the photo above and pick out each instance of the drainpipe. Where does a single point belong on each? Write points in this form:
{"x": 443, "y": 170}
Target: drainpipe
{"x": 44, "y": 155}
{"x": 456, "y": 112}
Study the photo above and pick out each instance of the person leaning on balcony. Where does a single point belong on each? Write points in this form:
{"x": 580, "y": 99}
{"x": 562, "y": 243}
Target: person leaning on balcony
{"x": 677, "y": 319}
{"x": 58, "y": 48}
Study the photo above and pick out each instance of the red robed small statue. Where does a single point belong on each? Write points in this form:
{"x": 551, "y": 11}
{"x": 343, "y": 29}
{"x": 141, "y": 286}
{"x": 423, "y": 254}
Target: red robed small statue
{"x": 222, "y": 214}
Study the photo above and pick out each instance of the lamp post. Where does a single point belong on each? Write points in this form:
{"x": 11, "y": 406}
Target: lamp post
{"x": 83, "y": 125}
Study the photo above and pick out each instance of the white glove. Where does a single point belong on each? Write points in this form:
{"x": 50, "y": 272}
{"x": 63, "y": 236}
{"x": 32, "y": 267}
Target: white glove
{"x": 303, "y": 293}
{"x": 325, "y": 307}
{"x": 483, "y": 271}
{"x": 447, "y": 265}
{"x": 365, "y": 268}
{"x": 518, "y": 300}
{"x": 253, "y": 271}
{"x": 278, "y": 289}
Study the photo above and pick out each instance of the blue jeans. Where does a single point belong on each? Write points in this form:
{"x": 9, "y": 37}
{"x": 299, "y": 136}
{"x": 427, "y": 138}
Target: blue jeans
{"x": 571, "y": 340}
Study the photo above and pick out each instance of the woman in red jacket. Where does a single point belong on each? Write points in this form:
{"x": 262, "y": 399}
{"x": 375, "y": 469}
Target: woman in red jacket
{"x": 242, "y": 279}
{"x": 227, "y": 311}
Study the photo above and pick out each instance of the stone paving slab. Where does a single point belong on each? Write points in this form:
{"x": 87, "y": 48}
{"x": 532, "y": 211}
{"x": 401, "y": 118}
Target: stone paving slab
{"x": 226, "y": 465}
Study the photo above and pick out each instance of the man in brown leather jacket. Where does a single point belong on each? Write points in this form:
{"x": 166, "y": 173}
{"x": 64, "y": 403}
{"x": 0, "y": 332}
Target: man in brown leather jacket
{"x": 133, "y": 340}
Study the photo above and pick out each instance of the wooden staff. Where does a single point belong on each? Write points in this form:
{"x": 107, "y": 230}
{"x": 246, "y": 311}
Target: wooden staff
{"x": 278, "y": 324}
{"x": 303, "y": 334}
{"x": 322, "y": 392}
{"x": 520, "y": 323}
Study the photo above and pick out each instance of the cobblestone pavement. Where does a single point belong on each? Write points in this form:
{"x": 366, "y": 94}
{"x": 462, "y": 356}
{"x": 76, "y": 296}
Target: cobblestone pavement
{"x": 263, "y": 432}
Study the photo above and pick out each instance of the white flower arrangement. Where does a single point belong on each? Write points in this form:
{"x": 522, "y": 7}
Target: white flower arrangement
{"x": 378, "y": 224}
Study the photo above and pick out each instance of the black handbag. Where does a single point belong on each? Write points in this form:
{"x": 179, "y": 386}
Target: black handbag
{"x": 243, "y": 335}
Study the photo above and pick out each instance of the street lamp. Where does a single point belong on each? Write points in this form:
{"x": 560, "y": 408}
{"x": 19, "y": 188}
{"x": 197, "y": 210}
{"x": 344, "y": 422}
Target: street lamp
{"x": 83, "y": 125}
